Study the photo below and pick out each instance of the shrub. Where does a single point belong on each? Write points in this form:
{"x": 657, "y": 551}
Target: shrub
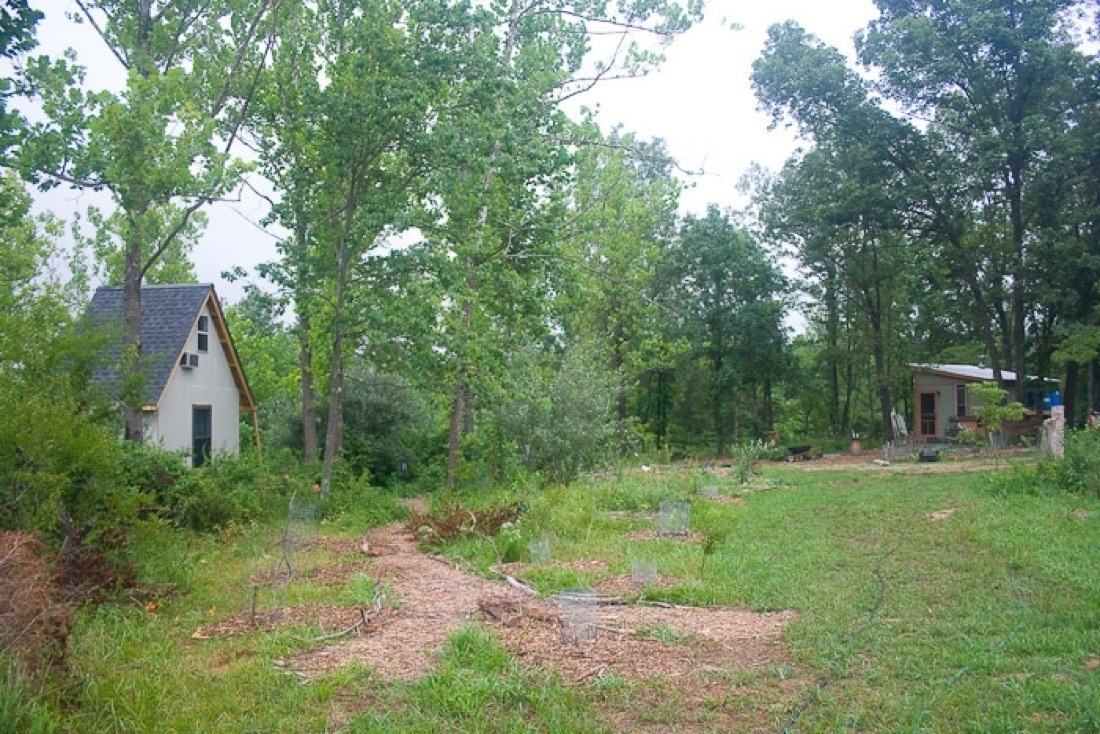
{"x": 747, "y": 455}
{"x": 385, "y": 421}
{"x": 1081, "y": 466}
{"x": 224, "y": 490}
{"x": 558, "y": 420}
{"x": 355, "y": 502}
{"x": 993, "y": 410}
{"x": 1078, "y": 472}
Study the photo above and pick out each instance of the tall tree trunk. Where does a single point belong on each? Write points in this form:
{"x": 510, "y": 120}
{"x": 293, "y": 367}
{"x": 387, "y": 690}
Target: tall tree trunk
{"x": 1069, "y": 398}
{"x": 1019, "y": 317}
{"x": 1092, "y": 385}
{"x": 309, "y": 407}
{"x": 334, "y": 428}
{"x": 133, "y": 381}
{"x": 719, "y": 417}
{"x": 617, "y": 363}
{"x": 461, "y": 390}
{"x": 769, "y": 413}
{"x": 832, "y": 337}
{"x": 981, "y": 307}
{"x": 878, "y": 349}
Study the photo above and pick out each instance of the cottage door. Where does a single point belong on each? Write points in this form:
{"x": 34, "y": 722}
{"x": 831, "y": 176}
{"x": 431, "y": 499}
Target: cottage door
{"x": 928, "y": 415}
{"x": 201, "y": 434}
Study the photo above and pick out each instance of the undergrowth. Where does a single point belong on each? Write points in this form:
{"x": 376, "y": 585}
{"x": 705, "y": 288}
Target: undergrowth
{"x": 925, "y": 603}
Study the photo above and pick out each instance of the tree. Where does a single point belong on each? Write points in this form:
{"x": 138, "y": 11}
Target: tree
{"x": 343, "y": 129}
{"x": 52, "y": 447}
{"x": 624, "y": 215}
{"x": 17, "y": 23}
{"x": 505, "y": 157}
{"x": 992, "y": 408}
{"x": 995, "y": 80}
{"x": 160, "y": 147}
{"x": 266, "y": 347}
{"x": 555, "y": 410}
{"x": 731, "y": 297}
{"x": 842, "y": 203}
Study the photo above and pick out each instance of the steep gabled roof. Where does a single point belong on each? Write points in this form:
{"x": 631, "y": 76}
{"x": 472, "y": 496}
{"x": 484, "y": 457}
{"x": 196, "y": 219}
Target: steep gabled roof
{"x": 168, "y": 314}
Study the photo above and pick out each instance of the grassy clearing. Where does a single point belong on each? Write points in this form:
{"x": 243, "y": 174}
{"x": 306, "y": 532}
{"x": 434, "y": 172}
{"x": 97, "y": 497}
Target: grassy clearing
{"x": 928, "y": 602}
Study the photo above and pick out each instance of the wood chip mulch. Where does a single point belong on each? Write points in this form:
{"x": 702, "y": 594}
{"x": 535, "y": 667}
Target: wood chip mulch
{"x": 327, "y": 618}
{"x": 710, "y": 660}
{"x": 434, "y": 598}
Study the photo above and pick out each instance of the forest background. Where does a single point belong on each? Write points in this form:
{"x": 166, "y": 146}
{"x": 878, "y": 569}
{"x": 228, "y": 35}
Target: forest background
{"x": 471, "y": 283}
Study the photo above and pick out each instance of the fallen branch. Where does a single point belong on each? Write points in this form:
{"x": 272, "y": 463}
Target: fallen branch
{"x": 663, "y": 605}
{"x": 594, "y": 671}
{"x": 364, "y": 619}
{"x": 514, "y": 583}
{"x": 520, "y": 585}
{"x": 618, "y": 630}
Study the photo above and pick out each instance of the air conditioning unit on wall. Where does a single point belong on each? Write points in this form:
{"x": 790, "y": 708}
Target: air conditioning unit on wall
{"x": 189, "y": 360}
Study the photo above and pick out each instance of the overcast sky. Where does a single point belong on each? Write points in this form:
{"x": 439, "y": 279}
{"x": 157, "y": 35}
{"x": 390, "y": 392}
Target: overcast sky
{"x": 700, "y": 102}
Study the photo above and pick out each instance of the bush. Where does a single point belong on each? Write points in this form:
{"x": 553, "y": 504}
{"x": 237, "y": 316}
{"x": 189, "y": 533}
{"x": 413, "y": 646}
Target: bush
{"x": 1079, "y": 471}
{"x": 356, "y": 502}
{"x": 747, "y": 455}
{"x": 385, "y": 421}
{"x": 228, "y": 489}
{"x": 558, "y": 420}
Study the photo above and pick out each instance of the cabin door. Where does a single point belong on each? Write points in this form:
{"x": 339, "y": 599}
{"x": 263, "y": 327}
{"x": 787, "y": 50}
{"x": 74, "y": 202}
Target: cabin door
{"x": 927, "y": 415}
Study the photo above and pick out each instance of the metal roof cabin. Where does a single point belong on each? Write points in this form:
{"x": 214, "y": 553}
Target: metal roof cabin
{"x": 943, "y": 405}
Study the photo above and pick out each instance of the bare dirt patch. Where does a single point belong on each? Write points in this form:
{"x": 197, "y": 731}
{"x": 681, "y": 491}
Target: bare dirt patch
{"x": 432, "y": 598}
{"x": 873, "y": 461}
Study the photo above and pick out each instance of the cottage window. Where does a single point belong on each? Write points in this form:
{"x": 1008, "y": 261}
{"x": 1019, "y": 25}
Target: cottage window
{"x": 960, "y": 400}
{"x": 201, "y": 434}
{"x": 203, "y": 333}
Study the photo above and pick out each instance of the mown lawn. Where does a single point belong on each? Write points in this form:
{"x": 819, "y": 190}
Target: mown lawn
{"x": 927, "y": 602}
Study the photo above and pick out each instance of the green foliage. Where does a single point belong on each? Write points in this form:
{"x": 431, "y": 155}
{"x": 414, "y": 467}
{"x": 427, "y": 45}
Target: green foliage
{"x": 558, "y": 420}
{"x": 731, "y": 297}
{"x": 21, "y": 710}
{"x": 747, "y": 455}
{"x": 54, "y": 452}
{"x": 994, "y": 409}
{"x": 355, "y": 503}
{"x": 1078, "y": 472}
{"x": 386, "y": 424}
{"x": 226, "y": 490}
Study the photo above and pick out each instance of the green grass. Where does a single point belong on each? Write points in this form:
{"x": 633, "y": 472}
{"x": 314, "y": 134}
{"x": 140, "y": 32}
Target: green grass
{"x": 987, "y": 620}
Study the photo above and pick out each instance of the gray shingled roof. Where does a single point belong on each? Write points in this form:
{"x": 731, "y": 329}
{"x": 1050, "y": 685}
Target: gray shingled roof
{"x": 167, "y": 314}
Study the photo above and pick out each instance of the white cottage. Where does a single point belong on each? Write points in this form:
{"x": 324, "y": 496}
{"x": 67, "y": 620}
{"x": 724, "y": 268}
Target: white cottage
{"x": 195, "y": 388}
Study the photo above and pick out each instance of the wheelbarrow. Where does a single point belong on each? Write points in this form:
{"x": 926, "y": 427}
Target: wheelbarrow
{"x": 801, "y": 452}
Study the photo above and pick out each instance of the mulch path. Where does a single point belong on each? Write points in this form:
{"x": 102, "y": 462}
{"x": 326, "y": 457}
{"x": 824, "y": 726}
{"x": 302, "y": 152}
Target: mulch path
{"x": 709, "y": 660}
